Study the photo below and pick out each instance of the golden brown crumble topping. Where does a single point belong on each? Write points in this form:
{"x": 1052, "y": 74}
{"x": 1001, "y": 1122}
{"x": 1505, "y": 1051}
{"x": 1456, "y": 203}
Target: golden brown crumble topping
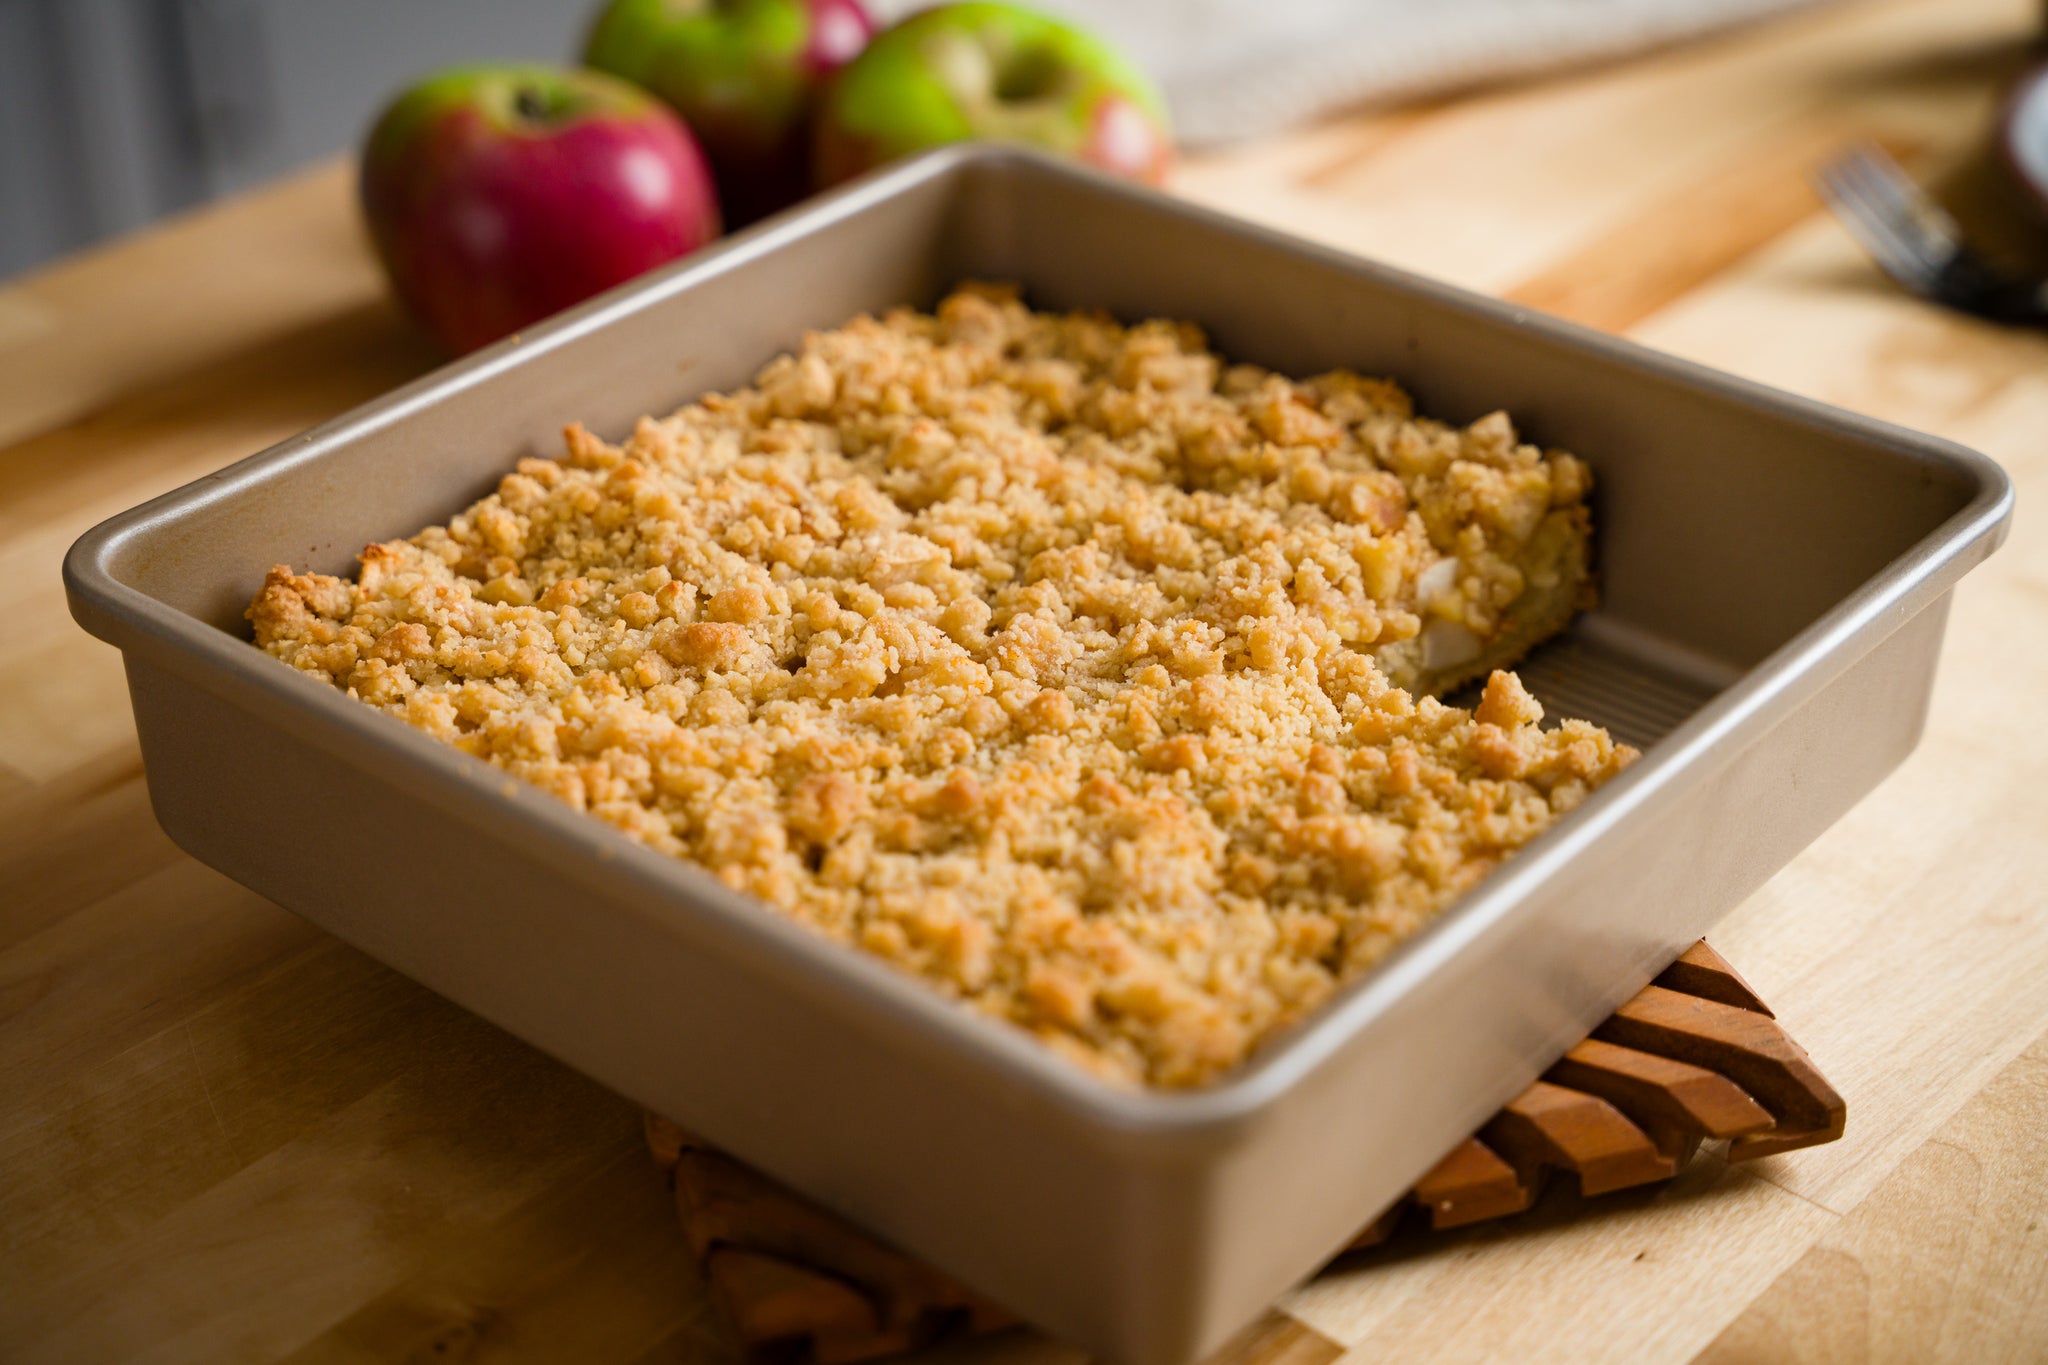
{"x": 1032, "y": 653}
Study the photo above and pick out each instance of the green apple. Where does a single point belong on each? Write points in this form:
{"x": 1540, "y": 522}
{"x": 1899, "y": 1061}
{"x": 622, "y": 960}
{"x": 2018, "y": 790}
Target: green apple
{"x": 995, "y": 71}
{"x": 744, "y": 74}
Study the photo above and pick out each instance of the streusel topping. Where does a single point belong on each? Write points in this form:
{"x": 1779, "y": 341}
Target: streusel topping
{"x": 1031, "y": 653}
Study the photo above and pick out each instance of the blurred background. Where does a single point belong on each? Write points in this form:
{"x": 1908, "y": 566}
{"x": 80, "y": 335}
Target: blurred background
{"x": 116, "y": 112}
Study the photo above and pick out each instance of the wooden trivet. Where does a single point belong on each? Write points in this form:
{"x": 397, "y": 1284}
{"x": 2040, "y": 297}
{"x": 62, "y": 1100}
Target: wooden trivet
{"x": 1695, "y": 1057}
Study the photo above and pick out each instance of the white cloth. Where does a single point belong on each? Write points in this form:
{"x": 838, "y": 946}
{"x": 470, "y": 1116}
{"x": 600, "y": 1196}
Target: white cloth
{"x": 1241, "y": 68}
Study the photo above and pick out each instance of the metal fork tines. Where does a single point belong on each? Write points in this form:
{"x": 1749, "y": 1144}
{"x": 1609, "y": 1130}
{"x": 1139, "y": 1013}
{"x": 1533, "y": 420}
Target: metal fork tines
{"x": 1918, "y": 243}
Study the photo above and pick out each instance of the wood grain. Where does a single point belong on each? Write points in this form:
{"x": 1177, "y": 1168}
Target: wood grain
{"x": 224, "y": 1137}
{"x": 1946, "y": 1260}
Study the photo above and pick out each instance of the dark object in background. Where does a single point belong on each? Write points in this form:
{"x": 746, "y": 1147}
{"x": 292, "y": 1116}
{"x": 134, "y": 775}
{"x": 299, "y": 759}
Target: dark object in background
{"x": 116, "y": 112}
{"x": 2023, "y": 139}
{"x": 1920, "y": 244}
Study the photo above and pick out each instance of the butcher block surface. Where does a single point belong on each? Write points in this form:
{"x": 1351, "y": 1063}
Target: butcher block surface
{"x": 225, "y": 1136}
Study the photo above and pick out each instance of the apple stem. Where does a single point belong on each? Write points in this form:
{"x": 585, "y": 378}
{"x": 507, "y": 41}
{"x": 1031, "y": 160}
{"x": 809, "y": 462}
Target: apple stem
{"x": 531, "y": 104}
{"x": 1032, "y": 74}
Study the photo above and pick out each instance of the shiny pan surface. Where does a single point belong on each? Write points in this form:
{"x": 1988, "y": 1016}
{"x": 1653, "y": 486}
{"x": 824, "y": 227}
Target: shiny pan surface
{"x": 1776, "y": 577}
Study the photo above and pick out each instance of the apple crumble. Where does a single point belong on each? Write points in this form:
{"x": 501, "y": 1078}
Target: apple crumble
{"x": 1058, "y": 662}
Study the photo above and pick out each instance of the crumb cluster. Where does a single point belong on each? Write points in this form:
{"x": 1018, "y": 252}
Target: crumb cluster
{"x": 1052, "y": 660}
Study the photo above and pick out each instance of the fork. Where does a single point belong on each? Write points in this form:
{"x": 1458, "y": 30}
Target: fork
{"x": 1919, "y": 244}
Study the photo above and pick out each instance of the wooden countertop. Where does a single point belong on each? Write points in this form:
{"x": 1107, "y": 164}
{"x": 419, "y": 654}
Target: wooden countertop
{"x": 224, "y": 1136}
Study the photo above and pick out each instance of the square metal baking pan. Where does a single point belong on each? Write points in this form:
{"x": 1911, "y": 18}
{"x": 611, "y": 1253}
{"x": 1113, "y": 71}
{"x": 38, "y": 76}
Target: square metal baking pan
{"x": 1776, "y": 577}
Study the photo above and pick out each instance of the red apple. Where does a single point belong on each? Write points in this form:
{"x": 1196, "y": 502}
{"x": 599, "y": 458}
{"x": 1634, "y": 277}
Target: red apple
{"x": 498, "y": 195}
{"x": 995, "y": 71}
{"x": 744, "y": 74}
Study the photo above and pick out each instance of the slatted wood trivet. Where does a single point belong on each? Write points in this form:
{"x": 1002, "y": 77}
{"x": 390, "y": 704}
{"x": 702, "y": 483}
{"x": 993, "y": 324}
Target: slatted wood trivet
{"x": 1695, "y": 1057}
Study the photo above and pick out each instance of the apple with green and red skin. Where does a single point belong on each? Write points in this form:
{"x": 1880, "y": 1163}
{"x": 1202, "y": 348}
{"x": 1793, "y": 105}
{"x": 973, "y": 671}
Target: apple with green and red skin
{"x": 498, "y": 195}
{"x": 992, "y": 71}
{"x": 744, "y": 74}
